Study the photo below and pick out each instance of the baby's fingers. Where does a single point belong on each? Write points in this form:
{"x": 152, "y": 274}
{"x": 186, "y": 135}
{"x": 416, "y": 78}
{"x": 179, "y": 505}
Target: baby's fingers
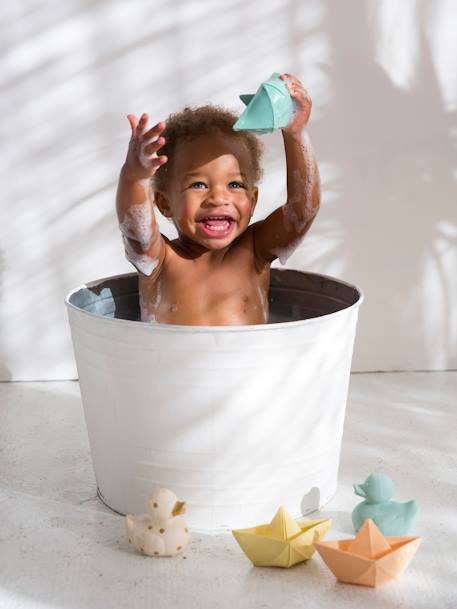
{"x": 137, "y": 126}
{"x": 301, "y": 95}
{"x": 142, "y": 125}
{"x": 152, "y": 162}
{"x": 290, "y": 79}
{"x": 133, "y": 120}
{"x": 153, "y": 133}
{"x": 294, "y": 86}
{"x": 153, "y": 146}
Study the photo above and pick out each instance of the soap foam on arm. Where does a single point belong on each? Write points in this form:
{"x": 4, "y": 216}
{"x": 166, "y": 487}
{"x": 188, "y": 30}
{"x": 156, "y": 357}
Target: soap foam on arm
{"x": 279, "y": 235}
{"x": 140, "y": 234}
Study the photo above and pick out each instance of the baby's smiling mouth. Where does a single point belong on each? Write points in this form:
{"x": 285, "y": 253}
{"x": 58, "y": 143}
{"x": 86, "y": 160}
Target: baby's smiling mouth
{"x": 217, "y": 223}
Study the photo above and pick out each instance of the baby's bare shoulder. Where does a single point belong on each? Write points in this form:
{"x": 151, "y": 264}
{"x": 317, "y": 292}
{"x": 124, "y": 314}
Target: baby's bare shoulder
{"x": 246, "y": 246}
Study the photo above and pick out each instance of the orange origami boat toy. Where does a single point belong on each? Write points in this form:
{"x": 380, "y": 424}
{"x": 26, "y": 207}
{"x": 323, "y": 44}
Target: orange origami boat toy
{"x": 370, "y": 559}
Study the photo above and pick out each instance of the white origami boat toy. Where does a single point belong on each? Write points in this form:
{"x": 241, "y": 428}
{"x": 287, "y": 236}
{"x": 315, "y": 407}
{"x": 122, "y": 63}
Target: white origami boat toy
{"x": 270, "y": 108}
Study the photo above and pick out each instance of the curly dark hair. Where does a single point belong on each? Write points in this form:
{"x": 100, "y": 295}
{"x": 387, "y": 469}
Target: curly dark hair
{"x": 190, "y": 123}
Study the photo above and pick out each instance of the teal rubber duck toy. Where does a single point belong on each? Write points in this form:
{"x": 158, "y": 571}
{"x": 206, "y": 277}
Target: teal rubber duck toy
{"x": 270, "y": 108}
{"x": 391, "y": 517}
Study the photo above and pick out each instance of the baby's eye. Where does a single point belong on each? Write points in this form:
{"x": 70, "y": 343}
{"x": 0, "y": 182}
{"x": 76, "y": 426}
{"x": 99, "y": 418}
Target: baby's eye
{"x": 198, "y": 185}
{"x": 235, "y": 184}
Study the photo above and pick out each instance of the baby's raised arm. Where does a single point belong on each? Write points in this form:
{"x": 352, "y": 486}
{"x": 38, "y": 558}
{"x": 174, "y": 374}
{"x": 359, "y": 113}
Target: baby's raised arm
{"x": 144, "y": 245}
{"x": 281, "y": 232}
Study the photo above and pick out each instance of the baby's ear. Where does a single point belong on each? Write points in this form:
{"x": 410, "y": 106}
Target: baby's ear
{"x": 162, "y": 203}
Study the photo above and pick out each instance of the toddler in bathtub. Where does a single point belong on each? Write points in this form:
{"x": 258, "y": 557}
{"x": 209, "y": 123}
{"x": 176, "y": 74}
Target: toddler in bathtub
{"x": 204, "y": 178}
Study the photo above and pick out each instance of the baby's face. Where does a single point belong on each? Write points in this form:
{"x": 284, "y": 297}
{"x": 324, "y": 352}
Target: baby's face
{"x": 211, "y": 195}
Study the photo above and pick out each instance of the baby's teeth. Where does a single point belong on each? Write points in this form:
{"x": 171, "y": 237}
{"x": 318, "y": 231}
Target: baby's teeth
{"x": 226, "y": 225}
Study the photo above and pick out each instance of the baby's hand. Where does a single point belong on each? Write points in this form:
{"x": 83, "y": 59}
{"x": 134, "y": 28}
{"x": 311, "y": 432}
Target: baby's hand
{"x": 302, "y": 101}
{"x": 142, "y": 161}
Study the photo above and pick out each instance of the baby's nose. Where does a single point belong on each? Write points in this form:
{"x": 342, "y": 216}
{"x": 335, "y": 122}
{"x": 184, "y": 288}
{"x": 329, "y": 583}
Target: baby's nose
{"x": 217, "y": 197}
{"x": 216, "y": 202}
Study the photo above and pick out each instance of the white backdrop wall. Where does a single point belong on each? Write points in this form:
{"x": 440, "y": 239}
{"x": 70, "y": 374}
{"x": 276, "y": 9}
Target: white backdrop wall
{"x": 383, "y": 77}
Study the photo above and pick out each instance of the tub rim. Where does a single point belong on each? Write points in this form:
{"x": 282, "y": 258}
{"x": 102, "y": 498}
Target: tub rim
{"x": 210, "y": 329}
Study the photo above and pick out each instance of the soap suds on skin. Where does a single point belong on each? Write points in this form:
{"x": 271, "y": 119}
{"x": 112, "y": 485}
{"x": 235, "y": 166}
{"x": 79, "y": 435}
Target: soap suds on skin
{"x": 144, "y": 263}
{"x": 302, "y": 186}
{"x": 143, "y": 312}
{"x": 264, "y": 301}
{"x": 137, "y": 224}
{"x": 148, "y": 310}
{"x": 284, "y": 253}
{"x": 296, "y": 219}
{"x": 146, "y": 160}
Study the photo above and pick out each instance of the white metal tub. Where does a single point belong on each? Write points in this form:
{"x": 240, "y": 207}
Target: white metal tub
{"x": 236, "y": 420}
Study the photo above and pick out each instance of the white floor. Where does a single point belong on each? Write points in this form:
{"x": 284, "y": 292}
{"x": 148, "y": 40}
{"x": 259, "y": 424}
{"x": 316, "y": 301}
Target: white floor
{"x": 60, "y": 548}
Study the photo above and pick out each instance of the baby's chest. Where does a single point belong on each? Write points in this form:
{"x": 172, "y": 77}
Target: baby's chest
{"x": 192, "y": 294}
{"x": 208, "y": 287}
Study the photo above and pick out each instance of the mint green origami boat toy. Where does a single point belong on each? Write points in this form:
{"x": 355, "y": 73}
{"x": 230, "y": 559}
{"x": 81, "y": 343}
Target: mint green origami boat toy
{"x": 270, "y": 108}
